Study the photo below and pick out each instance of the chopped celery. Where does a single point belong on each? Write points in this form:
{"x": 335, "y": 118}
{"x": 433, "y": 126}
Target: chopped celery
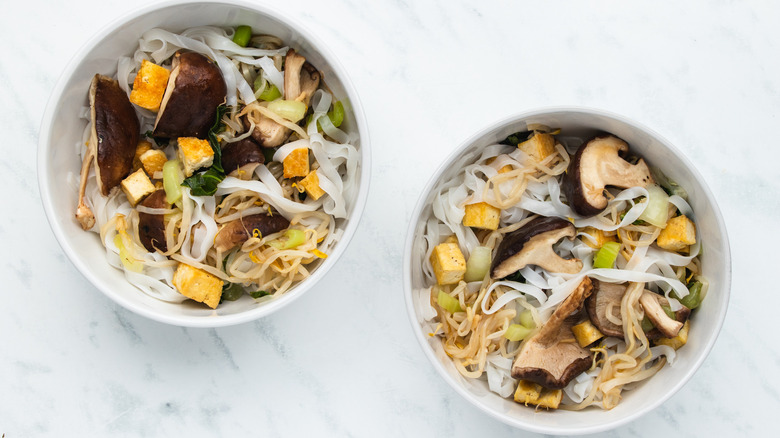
{"x": 478, "y": 264}
{"x": 242, "y": 36}
{"x": 269, "y": 93}
{"x": 527, "y": 319}
{"x": 130, "y": 263}
{"x": 336, "y": 115}
{"x": 291, "y": 110}
{"x": 607, "y": 255}
{"x": 517, "y": 332}
{"x": 293, "y": 239}
{"x": 448, "y": 303}
{"x": 657, "y": 210}
{"x": 172, "y": 179}
{"x": 693, "y": 299}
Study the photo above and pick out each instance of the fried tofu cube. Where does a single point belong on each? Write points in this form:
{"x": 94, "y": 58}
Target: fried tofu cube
{"x": 586, "y": 333}
{"x": 597, "y": 237}
{"x": 539, "y": 146}
{"x": 149, "y": 86}
{"x": 195, "y": 153}
{"x": 448, "y": 262}
{"x": 482, "y": 215}
{"x": 312, "y": 185}
{"x": 678, "y": 234}
{"x": 535, "y": 394}
{"x": 198, "y": 284}
{"x": 137, "y": 186}
{"x": 679, "y": 340}
{"x": 504, "y": 169}
{"x": 142, "y": 147}
{"x": 153, "y": 161}
{"x": 296, "y": 163}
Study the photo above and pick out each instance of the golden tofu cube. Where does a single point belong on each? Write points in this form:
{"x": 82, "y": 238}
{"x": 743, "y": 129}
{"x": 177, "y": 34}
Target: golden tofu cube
{"x": 535, "y": 394}
{"x": 195, "y": 153}
{"x": 137, "y": 186}
{"x": 677, "y": 341}
{"x": 312, "y": 185}
{"x": 482, "y": 215}
{"x": 539, "y": 146}
{"x": 153, "y": 161}
{"x": 448, "y": 262}
{"x": 149, "y": 86}
{"x": 198, "y": 284}
{"x": 599, "y": 238}
{"x": 142, "y": 147}
{"x": 296, "y": 163}
{"x": 678, "y": 234}
{"x": 586, "y": 333}
{"x": 504, "y": 169}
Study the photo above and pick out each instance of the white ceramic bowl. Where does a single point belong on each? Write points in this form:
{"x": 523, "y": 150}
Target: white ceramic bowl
{"x": 709, "y": 317}
{"x": 61, "y": 129}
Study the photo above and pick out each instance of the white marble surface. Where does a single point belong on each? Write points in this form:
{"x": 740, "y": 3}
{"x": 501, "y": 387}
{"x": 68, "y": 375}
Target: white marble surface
{"x": 342, "y": 361}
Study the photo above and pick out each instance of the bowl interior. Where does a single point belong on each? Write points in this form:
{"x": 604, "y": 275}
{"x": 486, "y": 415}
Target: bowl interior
{"x": 705, "y": 324}
{"x": 61, "y": 131}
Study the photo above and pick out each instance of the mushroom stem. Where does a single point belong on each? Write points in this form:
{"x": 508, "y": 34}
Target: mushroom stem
{"x": 83, "y": 213}
{"x": 652, "y": 307}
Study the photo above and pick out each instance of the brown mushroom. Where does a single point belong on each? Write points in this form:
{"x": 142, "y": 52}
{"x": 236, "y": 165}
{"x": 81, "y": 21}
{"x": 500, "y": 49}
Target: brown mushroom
{"x": 240, "y": 230}
{"x": 301, "y": 80}
{"x": 606, "y": 297}
{"x": 551, "y": 357}
{"x": 665, "y": 326}
{"x": 532, "y": 245}
{"x": 241, "y": 158}
{"x": 112, "y": 142}
{"x": 189, "y": 106}
{"x": 596, "y": 165}
{"x": 151, "y": 227}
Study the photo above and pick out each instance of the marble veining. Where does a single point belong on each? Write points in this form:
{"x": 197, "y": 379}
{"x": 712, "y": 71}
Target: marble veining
{"x": 342, "y": 361}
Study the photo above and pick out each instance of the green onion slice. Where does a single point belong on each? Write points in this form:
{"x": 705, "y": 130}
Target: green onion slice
{"x": 448, "y": 303}
{"x": 607, "y": 255}
{"x": 517, "y": 332}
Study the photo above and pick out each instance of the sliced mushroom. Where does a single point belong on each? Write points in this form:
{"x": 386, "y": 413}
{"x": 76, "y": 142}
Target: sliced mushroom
{"x": 667, "y": 327}
{"x": 606, "y": 297}
{"x": 598, "y": 164}
{"x": 112, "y": 142}
{"x": 151, "y": 227}
{"x": 552, "y": 357}
{"x": 189, "y": 106}
{"x": 301, "y": 80}
{"x": 241, "y": 158}
{"x": 532, "y": 245}
{"x": 241, "y": 229}
{"x": 268, "y": 133}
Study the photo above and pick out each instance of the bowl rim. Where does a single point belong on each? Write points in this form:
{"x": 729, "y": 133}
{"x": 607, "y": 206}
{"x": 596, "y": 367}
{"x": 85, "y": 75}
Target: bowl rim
{"x": 44, "y": 135}
{"x": 407, "y": 270}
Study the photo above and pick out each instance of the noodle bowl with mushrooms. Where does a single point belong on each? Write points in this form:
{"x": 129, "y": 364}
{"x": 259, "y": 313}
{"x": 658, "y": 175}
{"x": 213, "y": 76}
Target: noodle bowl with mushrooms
{"x": 239, "y": 174}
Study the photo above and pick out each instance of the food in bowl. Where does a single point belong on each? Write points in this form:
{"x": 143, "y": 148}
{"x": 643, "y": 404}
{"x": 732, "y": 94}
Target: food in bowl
{"x": 214, "y": 166}
{"x": 560, "y": 269}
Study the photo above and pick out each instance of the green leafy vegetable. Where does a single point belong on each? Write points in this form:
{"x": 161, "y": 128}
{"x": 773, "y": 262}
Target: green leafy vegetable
{"x": 516, "y": 138}
{"x": 259, "y": 294}
{"x": 205, "y": 183}
{"x": 232, "y": 292}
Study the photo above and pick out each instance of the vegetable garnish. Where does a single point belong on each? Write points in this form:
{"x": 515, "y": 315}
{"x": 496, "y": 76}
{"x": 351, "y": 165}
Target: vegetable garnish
{"x": 172, "y": 180}
{"x": 517, "y": 332}
{"x": 606, "y": 256}
{"x": 292, "y": 239}
{"x": 448, "y": 303}
{"x": 478, "y": 264}
{"x": 242, "y": 36}
{"x": 319, "y": 253}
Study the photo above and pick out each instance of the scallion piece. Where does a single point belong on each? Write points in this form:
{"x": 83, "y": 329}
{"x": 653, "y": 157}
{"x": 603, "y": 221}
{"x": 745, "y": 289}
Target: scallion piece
{"x": 657, "y": 210}
{"x": 527, "y": 319}
{"x": 292, "y": 239}
{"x": 517, "y": 332}
{"x": 172, "y": 179}
{"x": 291, "y": 110}
{"x": 478, "y": 264}
{"x": 336, "y": 115}
{"x": 448, "y": 303}
{"x": 242, "y": 36}
{"x": 270, "y": 92}
{"x": 606, "y": 256}
{"x": 130, "y": 263}
{"x": 693, "y": 299}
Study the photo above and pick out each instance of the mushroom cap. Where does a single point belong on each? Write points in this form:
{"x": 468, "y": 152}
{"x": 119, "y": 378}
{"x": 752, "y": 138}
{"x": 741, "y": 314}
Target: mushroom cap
{"x": 268, "y": 133}
{"x": 237, "y": 155}
{"x": 532, "y": 244}
{"x": 115, "y": 131}
{"x": 550, "y": 357}
{"x": 605, "y": 296}
{"x": 151, "y": 227}
{"x": 240, "y": 230}
{"x": 195, "y": 90}
{"x": 596, "y": 165}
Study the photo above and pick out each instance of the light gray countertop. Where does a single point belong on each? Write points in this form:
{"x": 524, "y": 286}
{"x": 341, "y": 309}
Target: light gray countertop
{"x": 342, "y": 360}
